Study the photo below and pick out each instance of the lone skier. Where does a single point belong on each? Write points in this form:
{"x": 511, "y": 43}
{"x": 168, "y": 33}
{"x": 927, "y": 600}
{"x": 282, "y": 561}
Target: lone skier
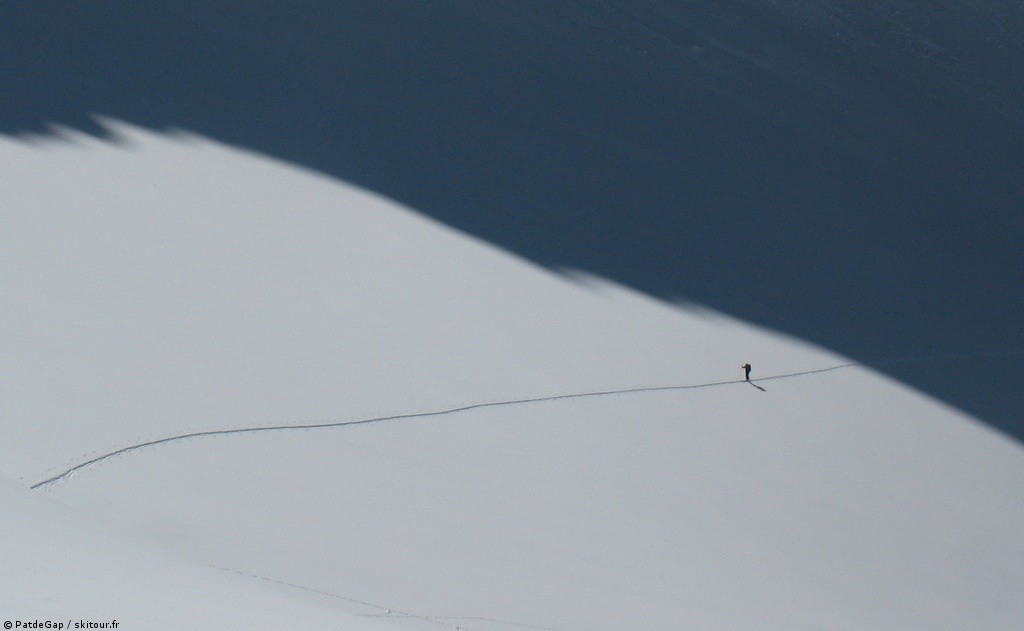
{"x": 746, "y": 371}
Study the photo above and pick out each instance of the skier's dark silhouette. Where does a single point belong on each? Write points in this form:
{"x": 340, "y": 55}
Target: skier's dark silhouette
{"x": 746, "y": 371}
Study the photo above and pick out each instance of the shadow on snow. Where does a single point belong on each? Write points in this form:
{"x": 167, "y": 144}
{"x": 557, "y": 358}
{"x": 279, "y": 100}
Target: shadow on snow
{"x": 854, "y": 181}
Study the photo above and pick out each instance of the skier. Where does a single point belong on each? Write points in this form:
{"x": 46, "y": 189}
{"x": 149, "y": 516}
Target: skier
{"x": 746, "y": 371}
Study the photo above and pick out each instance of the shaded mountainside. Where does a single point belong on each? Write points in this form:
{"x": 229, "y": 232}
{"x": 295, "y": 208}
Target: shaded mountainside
{"x": 847, "y": 172}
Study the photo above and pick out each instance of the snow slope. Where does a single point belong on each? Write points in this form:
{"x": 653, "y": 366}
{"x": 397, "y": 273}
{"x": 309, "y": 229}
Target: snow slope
{"x": 61, "y": 568}
{"x": 167, "y": 289}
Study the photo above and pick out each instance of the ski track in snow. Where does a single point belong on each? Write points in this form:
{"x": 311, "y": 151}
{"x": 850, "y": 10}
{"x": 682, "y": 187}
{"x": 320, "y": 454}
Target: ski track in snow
{"x": 388, "y": 612}
{"x": 411, "y": 415}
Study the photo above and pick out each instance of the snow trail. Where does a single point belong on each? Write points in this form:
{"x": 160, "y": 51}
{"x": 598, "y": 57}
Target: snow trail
{"x": 411, "y": 415}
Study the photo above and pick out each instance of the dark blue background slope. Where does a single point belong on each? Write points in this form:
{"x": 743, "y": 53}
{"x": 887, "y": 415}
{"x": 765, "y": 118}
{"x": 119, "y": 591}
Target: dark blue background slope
{"x": 848, "y": 172}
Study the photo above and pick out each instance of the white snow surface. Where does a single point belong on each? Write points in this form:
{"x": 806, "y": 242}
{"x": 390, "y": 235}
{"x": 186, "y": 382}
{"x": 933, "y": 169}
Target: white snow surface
{"x": 161, "y": 285}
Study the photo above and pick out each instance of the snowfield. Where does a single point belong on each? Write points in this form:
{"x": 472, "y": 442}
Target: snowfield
{"x": 362, "y": 419}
